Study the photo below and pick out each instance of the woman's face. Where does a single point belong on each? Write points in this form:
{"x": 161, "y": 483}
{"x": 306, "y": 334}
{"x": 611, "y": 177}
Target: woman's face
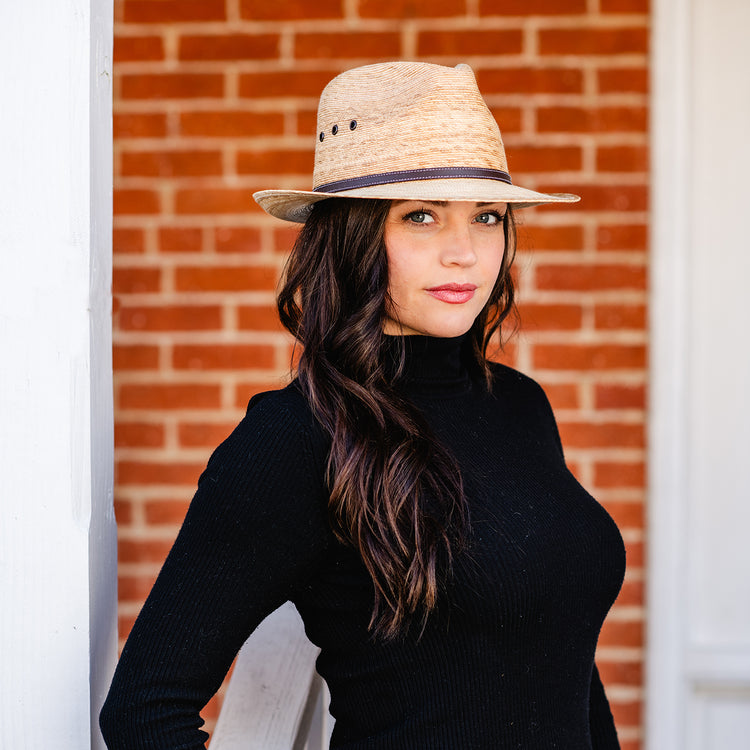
{"x": 443, "y": 261}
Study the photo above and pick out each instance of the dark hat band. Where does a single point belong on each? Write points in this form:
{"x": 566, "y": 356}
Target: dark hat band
{"x": 409, "y": 175}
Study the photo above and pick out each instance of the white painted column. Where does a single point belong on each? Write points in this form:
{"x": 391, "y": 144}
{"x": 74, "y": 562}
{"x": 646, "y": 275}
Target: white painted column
{"x": 698, "y": 686}
{"x": 57, "y": 532}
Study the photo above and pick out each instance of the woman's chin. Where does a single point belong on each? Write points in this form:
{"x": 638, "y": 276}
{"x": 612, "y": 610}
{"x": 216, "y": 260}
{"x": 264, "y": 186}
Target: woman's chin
{"x": 439, "y": 329}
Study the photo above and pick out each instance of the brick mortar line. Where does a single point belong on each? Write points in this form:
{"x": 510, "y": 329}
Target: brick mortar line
{"x": 178, "y": 378}
{"x": 165, "y": 260}
{"x": 472, "y": 20}
{"x": 158, "y": 300}
{"x": 577, "y": 337}
{"x": 481, "y": 63}
{"x": 295, "y": 104}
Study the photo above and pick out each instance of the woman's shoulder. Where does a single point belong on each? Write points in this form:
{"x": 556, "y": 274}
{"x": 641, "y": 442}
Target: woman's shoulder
{"x": 507, "y": 380}
{"x": 281, "y": 406}
{"x": 281, "y": 417}
{"x": 278, "y": 437}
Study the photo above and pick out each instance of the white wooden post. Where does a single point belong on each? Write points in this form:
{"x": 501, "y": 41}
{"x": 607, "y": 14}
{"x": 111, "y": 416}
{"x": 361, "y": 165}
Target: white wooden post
{"x": 57, "y": 532}
{"x": 698, "y": 686}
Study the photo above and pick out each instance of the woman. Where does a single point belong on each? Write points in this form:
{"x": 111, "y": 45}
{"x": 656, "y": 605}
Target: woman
{"x": 409, "y": 496}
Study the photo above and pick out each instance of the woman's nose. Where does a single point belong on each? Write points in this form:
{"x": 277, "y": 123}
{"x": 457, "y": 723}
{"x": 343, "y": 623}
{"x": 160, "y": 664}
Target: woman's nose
{"x": 457, "y": 246}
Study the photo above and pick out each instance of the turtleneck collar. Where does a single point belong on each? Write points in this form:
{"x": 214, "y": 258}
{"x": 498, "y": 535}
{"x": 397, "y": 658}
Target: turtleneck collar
{"x": 433, "y": 366}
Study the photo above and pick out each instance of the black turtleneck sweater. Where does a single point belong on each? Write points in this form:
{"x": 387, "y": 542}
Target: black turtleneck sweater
{"x": 507, "y": 661}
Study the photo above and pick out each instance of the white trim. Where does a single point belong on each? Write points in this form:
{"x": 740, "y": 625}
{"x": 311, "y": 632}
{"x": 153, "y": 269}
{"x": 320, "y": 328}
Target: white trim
{"x": 57, "y": 551}
{"x": 698, "y": 650}
{"x": 669, "y": 268}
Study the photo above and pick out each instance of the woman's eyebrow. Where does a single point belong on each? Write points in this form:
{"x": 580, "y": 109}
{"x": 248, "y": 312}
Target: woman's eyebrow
{"x": 442, "y": 203}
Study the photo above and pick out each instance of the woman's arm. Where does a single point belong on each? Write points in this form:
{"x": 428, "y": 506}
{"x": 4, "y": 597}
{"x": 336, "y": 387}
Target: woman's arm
{"x": 601, "y": 722}
{"x": 254, "y": 532}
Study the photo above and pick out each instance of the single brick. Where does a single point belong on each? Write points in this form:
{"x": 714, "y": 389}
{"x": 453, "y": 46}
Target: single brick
{"x": 176, "y": 163}
{"x": 290, "y": 10}
{"x": 274, "y": 162}
{"x": 127, "y": 240}
{"x": 588, "y": 41}
{"x": 180, "y": 239}
{"x": 530, "y": 81}
{"x": 171, "y": 85}
{"x": 563, "y": 395}
{"x": 174, "y": 11}
{"x": 622, "y": 159}
{"x": 230, "y": 123}
{"x": 587, "y": 357}
{"x": 614, "y": 396}
{"x": 402, "y": 9}
{"x": 566, "y": 237}
{"x": 584, "y": 278}
{"x": 203, "y": 434}
{"x": 135, "y": 280}
{"x": 548, "y": 317}
{"x": 284, "y": 239}
{"x": 619, "y": 317}
{"x": 214, "y": 201}
{"x": 626, "y": 713}
{"x": 283, "y": 83}
{"x": 507, "y": 118}
{"x": 471, "y": 42}
{"x": 225, "y": 278}
{"x": 223, "y": 356}
{"x": 624, "y": 6}
{"x": 622, "y": 672}
{"x": 228, "y": 46}
{"x": 631, "y": 594}
{"x": 137, "y": 48}
{"x": 237, "y": 239}
{"x": 622, "y": 237}
{"x": 602, "y": 435}
{"x": 138, "y": 434}
{"x": 169, "y": 396}
{"x": 599, "y": 197}
{"x": 127, "y": 357}
{"x": 592, "y": 120}
{"x": 544, "y": 159}
{"x": 621, "y": 474}
{"x": 531, "y": 7}
{"x": 170, "y": 318}
{"x": 258, "y": 318}
{"x": 627, "y": 515}
{"x": 129, "y": 201}
{"x": 145, "y": 125}
{"x": 307, "y": 123}
{"x": 619, "y": 80}
{"x": 123, "y": 511}
{"x": 372, "y": 45}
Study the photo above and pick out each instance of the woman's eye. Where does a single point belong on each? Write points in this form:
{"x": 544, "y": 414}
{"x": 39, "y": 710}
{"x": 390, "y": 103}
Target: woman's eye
{"x": 489, "y": 218}
{"x": 419, "y": 217}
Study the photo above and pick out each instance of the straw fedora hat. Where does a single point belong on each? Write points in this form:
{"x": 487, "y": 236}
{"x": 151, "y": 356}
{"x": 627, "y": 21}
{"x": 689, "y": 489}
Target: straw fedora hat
{"x": 406, "y": 131}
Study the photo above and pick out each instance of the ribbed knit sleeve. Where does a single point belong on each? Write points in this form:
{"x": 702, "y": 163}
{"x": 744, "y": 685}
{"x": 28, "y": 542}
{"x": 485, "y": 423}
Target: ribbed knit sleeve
{"x": 601, "y": 722}
{"x": 254, "y": 534}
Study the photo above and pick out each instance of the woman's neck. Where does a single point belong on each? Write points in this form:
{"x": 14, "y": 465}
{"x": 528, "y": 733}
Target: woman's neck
{"x": 430, "y": 364}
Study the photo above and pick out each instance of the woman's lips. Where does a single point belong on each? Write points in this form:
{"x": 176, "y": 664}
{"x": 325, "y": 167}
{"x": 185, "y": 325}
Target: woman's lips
{"x": 453, "y": 294}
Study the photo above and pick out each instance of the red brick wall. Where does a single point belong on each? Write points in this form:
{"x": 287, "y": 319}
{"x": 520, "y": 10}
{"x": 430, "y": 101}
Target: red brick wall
{"x": 216, "y": 98}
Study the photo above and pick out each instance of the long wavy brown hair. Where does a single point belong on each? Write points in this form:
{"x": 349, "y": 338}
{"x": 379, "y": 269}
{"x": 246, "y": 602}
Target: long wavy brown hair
{"x": 396, "y": 493}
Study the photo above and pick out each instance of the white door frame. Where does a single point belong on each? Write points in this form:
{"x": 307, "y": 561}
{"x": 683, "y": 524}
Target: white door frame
{"x": 698, "y": 641}
{"x": 58, "y": 557}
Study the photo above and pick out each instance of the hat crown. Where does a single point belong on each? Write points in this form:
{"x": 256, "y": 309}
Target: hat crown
{"x": 403, "y": 116}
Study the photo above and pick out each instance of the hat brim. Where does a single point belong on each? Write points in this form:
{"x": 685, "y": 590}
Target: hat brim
{"x": 295, "y": 205}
